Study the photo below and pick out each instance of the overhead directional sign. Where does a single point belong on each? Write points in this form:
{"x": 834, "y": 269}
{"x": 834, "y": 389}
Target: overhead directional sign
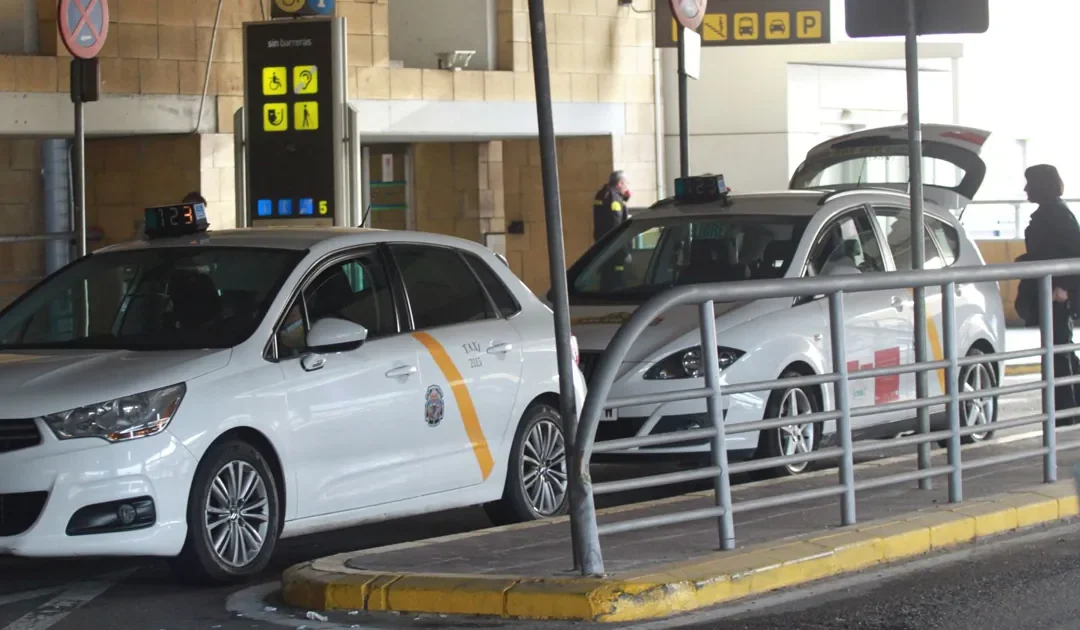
{"x": 752, "y": 23}
{"x": 84, "y": 25}
{"x": 294, "y": 114}
{"x": 283, "y": 9}
{"x": 885, "y": 18}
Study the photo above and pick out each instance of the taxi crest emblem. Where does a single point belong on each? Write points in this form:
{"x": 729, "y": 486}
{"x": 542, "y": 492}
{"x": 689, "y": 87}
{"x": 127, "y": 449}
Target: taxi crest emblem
{"x": 434, "y": 406}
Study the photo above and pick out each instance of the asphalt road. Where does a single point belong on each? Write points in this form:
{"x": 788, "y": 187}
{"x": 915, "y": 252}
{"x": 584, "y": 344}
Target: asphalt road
{"x": 140, "y": 594}
{"x": 1028, "y": 582}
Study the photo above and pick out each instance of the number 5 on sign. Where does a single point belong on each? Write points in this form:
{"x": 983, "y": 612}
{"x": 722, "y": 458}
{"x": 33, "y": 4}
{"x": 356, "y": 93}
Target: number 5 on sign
{"x": 324, "y": 208}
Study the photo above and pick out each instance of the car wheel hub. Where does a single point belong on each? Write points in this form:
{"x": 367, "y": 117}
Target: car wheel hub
{"x": 237, "y": 514}
{"x": 796, "y": 439}
{"x": 543, "y": 467}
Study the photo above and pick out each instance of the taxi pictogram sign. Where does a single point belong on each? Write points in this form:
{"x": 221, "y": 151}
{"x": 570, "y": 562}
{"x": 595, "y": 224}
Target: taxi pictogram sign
{"x": 84, "y": 25}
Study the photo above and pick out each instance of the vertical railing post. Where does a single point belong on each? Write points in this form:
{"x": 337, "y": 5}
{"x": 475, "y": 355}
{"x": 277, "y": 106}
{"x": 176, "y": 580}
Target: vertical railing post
{"x": 1046, "y": 325}
{"x": 714, "y": 403}
{"x": 952, "y": 388}
{"x": 843, "y": 405}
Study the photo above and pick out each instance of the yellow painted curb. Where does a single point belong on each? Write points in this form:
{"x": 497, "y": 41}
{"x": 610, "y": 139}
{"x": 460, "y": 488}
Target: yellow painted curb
{"x": 1023, "y": 369}
{"x": 712, "y": 579}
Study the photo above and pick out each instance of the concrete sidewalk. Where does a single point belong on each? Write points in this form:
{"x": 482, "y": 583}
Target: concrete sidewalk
{"x": 524, "y": 571}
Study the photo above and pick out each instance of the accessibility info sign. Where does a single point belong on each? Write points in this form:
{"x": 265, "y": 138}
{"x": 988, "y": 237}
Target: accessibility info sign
{"x": 294, "y": 114}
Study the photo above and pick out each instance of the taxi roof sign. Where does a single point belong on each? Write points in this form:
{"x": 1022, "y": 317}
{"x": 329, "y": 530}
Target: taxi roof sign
{"x": 176, "y": 220}
{"x": 701, "y": 189}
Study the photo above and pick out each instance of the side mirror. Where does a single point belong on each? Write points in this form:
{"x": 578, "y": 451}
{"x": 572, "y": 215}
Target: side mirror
{"x": 335, "y": 335}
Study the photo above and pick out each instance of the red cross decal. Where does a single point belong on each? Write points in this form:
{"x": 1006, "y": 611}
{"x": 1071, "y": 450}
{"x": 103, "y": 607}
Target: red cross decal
{"x": 84, "y": 18}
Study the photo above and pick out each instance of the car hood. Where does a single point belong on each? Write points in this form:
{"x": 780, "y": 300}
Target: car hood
{"x": 34, "y": 383}
{"x": 595, "y": 326}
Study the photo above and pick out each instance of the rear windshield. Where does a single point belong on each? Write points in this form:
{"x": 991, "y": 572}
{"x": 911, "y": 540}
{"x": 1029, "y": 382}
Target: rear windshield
{"x": 150, "y": 299}
{"x": 647, "y": 256}
{"x": 875, "y": 170}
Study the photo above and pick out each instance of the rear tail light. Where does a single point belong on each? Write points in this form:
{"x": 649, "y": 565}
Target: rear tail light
{"x": 574, "y": 350}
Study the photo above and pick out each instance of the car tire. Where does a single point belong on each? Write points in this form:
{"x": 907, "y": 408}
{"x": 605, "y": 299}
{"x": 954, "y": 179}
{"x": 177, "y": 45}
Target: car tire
{"x": 973, "y": 377}
{"x": 537, "y": 473}
{"x": 775, "y": 442}
{"x": 233, "y": 503}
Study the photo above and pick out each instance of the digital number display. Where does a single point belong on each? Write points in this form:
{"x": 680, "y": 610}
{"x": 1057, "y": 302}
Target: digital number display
{"x": 177, "y": 220}
{"x": 700, "y": 189}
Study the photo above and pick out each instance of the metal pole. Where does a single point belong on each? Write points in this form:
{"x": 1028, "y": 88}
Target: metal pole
{"x": 355, "y": 162}
{"x": 1046, "y": 325}
{"x": 240, "y": 169}
{"x": 80, "y": 177}
{"x": 714, "y": 404}
{"x": 918, "y": 242}
{"x": 843, "y": 405}
{"x": 684, "y": 132}
{"x": 556, "y": 257}
{"x": 952, "y": 379}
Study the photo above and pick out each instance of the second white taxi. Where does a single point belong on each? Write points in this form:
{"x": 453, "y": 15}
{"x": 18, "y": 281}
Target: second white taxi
{"x": 846, "y": 213}
{"x": 199, "y": 395}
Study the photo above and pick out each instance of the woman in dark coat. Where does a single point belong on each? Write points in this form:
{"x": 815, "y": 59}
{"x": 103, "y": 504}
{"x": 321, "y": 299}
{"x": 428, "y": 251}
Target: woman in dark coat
{"x": 1053, "y": 234}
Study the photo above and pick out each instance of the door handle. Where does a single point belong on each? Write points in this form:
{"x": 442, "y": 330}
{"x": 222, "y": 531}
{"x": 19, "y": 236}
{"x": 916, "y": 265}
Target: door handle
{"x": 501, "y": 348}
{"x": 898, "y": 303}
{"x": 400, "y": 372}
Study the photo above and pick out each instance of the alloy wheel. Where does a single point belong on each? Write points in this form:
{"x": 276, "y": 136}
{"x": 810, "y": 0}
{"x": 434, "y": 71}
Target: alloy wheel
{"x": 796, "y": 439}
{"x": 544, "y": 467}
{"x": 237, "y": 514}
{"x": 978, "y": 411}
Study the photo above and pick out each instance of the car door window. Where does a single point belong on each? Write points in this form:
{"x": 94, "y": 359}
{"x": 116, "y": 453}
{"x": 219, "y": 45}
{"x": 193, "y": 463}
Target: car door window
{"x": 442, "y": 289}
{"x": 896, "y": 226}
{"x": 948, "y": 239}
{"x": 504, "y": 300}
{"x": 357, "y": 290}
{"x": 849, "y": 242}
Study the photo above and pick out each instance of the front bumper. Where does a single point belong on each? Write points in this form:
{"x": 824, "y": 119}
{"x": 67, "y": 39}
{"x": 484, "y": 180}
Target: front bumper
{"x": 42, "y": 488}
{"x": 653, "y": 419}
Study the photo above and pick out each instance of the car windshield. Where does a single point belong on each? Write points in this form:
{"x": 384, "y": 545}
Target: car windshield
{"x": 150, "y": 299}
{"x": 648, "y": 256}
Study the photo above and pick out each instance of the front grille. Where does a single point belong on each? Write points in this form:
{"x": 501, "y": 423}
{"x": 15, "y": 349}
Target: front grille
{"x": 18, "y": 434}
{"x": 19, "y": 512}
{"x": 629, "y": 427}
{"x": 589, "y": 362}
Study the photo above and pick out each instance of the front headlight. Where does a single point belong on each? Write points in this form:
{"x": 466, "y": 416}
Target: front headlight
{"x": 688, "y": 364}
{"x": 127, "y": 418}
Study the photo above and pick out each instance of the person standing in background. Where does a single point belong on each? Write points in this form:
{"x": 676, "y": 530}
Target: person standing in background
{"x": 609, "y": 207}
{"x": 1053, "y": 234}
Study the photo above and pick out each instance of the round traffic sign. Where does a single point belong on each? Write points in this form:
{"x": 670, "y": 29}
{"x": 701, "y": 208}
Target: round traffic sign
{"x": 689, "y": 13}
{"x": 84, "y": 25}
{"x": 290, "y": 6}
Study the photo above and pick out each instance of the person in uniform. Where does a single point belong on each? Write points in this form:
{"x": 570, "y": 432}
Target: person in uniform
{"x": 609, "y": 208}
{"x": 609, "y": 212}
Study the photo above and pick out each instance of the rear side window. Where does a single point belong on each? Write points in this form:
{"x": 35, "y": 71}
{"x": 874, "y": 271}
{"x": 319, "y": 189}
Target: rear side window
{"x": 947, "y": 237}
{"x": 504, "y": 300}
{"x": 442, "y": 289}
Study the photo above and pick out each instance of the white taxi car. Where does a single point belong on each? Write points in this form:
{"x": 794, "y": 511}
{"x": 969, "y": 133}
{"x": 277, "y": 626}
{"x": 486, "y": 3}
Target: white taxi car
{"x": 840, "y": 217}
{"x": 200, "y": 395}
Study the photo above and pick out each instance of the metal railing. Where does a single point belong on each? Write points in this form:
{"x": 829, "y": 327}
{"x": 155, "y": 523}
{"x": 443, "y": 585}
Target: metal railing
{"x": 586, "y": 531}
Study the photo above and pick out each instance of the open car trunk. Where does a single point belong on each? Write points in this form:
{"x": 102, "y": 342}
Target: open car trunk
{"x": 953, "y": 170}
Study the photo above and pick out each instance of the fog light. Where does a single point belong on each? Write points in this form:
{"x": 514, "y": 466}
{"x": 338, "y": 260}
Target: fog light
{"x": 114, "y": 516}
{"x": 127, "y": 514}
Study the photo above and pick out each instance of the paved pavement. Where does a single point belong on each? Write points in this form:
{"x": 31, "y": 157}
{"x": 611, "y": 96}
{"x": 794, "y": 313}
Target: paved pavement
{"x": 107, "y": 594}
